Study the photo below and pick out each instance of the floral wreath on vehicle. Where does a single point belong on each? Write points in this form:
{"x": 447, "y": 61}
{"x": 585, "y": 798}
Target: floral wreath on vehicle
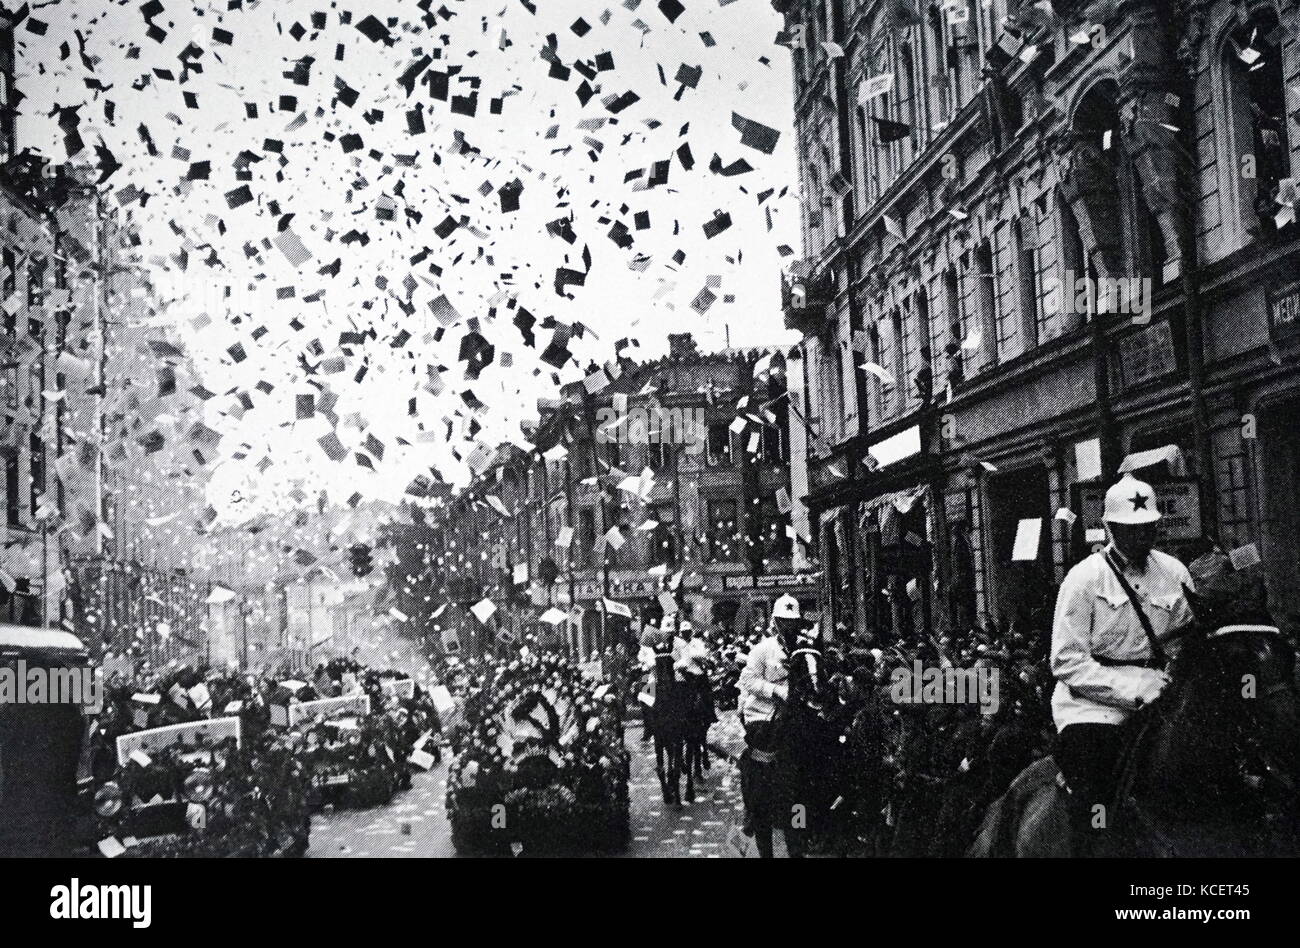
{"x": 541, "y": 766}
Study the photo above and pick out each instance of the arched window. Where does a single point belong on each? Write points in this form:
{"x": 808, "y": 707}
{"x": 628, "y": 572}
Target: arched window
{"x": 936, "y": 68}
{"x": 813, "y": 208}
{"x": 862, "y": 141}
{"x": 877, "y": 356}
{"x": 838, "y": 396}
{"x": 1107, "y": 207}
{"x": 813, "y": 43}
{"x": 898, "y": 360}
{"x": 1253, "y": 126}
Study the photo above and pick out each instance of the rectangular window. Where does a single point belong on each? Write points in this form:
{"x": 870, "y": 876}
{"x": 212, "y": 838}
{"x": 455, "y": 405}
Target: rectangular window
{"x": 898, "y": 358}
{"x": 624, "y": 555}
{"x": 1150, "y": 240}
{"x": 875, "y": 355}
{"x": 659, "y": 456}
{"x": 9, "y": 263}
{"x": 841, "y": 406}
{"x": 863, "y": 141}
{"x": 776, "y": 447}
{"x": 1003, "y": 301}
{"x": 63, "y": 316}
{"x": 35, "y": 281}
{"x": 719, "y": 452}
{"x": 663, "y": 538}
{"x": 613, "y": 454}
{"x": 659, "y": 453}
{"x": 952, "y": 313}
{"x": 1072, "y": 257}
{"x": 13, "y": 495}
{"x": 1026, "y": 250}
{"x": 908, "y": 113}
{"x": 723, "y": 543}
{"x": 924, "y": 329}
{"x": 776, "y": 542}
{"x": 964, "y": 48}
{"x": 10, "y": 382}
{"x": 986, "y": 310}
{"x": 586, "y": 536}
{"x": 935, "y": 70}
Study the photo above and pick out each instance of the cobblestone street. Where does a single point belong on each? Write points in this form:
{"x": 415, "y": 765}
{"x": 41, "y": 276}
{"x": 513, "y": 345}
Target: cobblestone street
{"x": 415, "y": 824}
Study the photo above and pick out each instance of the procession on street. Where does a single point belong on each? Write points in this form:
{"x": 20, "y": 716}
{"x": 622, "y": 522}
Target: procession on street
{"x": 663, "y": 429}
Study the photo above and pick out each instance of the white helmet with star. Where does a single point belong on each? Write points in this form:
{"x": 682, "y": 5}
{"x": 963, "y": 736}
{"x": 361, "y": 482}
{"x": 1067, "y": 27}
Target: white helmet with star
{"x": 1131, "y": 501}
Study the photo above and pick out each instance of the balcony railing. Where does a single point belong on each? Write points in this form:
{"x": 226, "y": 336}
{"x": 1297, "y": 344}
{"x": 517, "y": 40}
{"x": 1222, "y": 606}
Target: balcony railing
{"x": 804, "y": 297}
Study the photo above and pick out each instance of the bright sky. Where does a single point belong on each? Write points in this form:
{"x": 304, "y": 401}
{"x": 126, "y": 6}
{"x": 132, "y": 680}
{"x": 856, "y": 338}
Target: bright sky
{"x": 573, "y": 160}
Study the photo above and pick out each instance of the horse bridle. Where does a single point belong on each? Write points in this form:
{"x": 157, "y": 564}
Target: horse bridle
{"x": 1265, "y": 758}
{"x": 813, "y": 668}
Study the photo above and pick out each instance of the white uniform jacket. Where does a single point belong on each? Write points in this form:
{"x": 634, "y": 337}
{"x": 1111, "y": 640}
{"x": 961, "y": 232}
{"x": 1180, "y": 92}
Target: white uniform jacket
{"x": 1095, "y": 619}
{"x": 762, "y": 680}
{"x": 691, "y": 657}
{"x": 646, "y": 658}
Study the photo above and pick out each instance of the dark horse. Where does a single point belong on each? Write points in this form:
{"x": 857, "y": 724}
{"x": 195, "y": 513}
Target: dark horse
{"x": 789, "y": 781}
{"x": 699, "y": 715}
{"x": 1210, "y": 769}
{"x": 671, "y": 723}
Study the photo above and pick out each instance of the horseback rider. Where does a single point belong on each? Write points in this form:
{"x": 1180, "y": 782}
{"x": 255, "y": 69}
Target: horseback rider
{"x": 654, "y": 642}
{"x": 692, "y": 665}
{"x": 1113, "y": 613}
{"x": 692, "y": 654}
{"x": 762, "y": 686}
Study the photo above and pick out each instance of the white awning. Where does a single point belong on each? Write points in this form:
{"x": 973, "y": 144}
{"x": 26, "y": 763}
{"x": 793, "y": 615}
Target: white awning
{"x": 1170, "y": 454}
{"x": 895, "y": 448}
{"x": 31, "y": 637}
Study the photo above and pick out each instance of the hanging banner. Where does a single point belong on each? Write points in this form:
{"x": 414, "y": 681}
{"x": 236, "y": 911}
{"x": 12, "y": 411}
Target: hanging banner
{"x": 350, "y": 706}
{"x": 616, "y": 608}
{"x": 195, "y": 734}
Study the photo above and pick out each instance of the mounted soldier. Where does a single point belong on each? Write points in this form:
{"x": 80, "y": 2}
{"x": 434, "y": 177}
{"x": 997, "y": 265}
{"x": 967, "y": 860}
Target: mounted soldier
{"x": 1113, "y": 614}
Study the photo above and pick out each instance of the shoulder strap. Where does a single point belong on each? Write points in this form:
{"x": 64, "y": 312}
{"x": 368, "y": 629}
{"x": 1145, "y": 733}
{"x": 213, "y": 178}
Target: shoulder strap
{"x": 1157, "y": 651}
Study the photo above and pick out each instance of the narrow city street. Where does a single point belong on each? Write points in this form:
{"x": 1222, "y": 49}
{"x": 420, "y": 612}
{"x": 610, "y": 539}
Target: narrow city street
{"x": 409, "y": 408}
{"x": 415, "y": 823}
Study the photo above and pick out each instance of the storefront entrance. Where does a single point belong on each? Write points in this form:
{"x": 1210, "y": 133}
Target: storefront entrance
{"x": 1279, "y": 468}
{"x": 1021, "y": 590}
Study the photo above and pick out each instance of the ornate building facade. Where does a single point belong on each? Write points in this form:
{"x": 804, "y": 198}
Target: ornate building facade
{"x": 1044, "y": 243}
{"x": 651, "y": 486}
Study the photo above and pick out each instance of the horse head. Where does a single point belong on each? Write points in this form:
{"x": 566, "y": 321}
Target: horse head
{"x": 1221, "y": 745}
{"x": 807, "y": 681}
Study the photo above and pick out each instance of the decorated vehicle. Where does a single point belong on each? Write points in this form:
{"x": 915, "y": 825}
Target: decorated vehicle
{"x": 541, "y": 768}
{"x": 199, "y": 788}
{"x": 41, "y": 743}
{"x": 355, "y": 754}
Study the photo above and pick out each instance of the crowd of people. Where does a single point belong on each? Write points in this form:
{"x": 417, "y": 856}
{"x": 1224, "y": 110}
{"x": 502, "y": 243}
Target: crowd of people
{"x": 906, "y": 773}
{"x": 907, "y": 778}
